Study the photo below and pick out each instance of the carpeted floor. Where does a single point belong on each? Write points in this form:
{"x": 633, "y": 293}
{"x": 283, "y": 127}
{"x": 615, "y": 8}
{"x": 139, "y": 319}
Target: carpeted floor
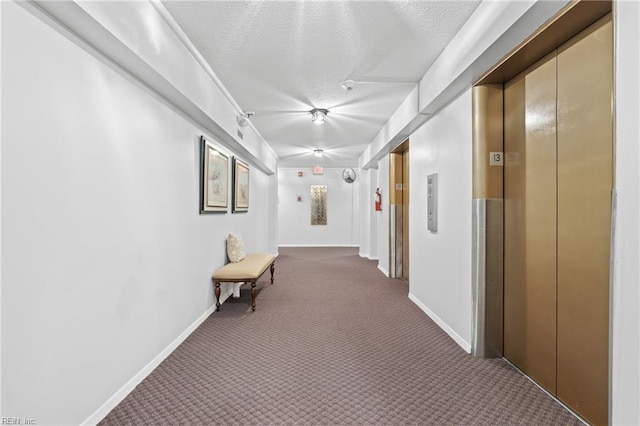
{"x": 332, "y": 342}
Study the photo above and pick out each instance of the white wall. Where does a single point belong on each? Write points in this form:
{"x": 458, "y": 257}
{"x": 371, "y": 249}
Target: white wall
{"x": 440, "y": 262}
{"x": 382, "y": 217}
{"x": 373, "y": 215}
{"x": 364, "y": 221}
{"x": 625, "y": 357}
{"x": 105, "y": 259}
{"x": 294, "y": 218}
{"x": 368, "y": 220}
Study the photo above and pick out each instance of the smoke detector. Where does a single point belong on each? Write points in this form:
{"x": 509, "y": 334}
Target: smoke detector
{"x": 243, "y": 118}
{"x": 348, "y": 85}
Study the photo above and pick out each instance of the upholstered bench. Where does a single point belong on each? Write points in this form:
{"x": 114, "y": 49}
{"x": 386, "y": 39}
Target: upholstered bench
{"x": 247, "y": 270}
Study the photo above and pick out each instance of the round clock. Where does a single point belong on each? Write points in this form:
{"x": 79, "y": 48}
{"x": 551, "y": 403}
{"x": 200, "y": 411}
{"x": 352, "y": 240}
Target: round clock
{"x": 349, "y": 175}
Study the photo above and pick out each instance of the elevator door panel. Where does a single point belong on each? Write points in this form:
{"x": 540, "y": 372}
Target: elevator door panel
{"x": 585, "y": 181}
{"x": 530, "y": 222}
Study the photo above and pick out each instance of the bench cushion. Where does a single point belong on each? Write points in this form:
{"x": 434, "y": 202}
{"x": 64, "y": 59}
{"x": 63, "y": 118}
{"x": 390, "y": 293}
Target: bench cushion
{"x": 253, "y": 265}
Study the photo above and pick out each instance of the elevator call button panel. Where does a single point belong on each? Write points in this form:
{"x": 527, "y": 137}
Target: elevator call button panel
{"x": 432, "y": 202}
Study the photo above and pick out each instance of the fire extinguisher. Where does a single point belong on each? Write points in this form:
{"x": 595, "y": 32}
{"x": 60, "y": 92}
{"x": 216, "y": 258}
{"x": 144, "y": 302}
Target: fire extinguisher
{"x": 378, "y": 200}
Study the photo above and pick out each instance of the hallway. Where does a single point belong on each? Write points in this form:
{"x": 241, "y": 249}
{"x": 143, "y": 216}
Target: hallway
{"x": 136, "y": 136}
{"x": 333, "y": 341}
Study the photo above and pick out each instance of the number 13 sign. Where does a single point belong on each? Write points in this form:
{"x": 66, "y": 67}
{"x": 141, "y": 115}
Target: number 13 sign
{"x": 496, "y": 159}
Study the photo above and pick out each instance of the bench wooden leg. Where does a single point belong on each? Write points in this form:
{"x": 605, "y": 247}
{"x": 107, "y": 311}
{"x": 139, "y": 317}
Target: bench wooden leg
{"x": 273, "y": 267}
{"x": 253, "y": 296}
{"x": 217, "y": 296}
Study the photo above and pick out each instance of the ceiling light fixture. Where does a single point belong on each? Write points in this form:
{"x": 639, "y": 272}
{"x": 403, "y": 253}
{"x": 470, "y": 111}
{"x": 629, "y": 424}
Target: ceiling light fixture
{"x": 319, "y": 116}
{"x": 317, "y": 153}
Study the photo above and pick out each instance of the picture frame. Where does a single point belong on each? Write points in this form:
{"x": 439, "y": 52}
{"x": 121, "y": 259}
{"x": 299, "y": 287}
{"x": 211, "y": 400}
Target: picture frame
{"x": 240, "y": 186}
{"x": 214, "y": 179}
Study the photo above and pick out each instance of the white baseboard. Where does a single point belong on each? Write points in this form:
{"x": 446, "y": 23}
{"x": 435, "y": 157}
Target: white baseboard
{"x": 368, "y": 256}
{"x": 455, "y": 336}
{"x": 125, "y": 390}
{"x": 384, "y": 271}
{"x": 319, "y": 245}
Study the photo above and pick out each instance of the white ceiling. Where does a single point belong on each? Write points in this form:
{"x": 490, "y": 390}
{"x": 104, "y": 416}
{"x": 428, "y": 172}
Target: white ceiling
{"x": 283, "y": 58}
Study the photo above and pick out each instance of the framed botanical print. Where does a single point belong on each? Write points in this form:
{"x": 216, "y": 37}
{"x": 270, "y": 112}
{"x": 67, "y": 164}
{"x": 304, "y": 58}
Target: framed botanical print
{"x": 240, "y": 186}
{"x": 214, "y": 179}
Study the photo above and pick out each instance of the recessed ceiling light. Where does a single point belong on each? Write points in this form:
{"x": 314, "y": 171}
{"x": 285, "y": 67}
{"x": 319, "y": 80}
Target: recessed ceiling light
{"x": 317, "y": 153}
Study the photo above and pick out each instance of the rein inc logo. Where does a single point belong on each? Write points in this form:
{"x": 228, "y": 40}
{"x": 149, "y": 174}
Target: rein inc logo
{"x": 17, "y": 421}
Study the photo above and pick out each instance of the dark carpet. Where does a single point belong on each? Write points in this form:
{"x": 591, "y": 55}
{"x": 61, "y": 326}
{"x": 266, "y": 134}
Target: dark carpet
{"x": 332, "y": 342}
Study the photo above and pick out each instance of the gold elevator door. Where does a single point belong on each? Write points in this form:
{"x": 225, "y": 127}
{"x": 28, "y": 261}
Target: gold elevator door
{"x": 530, "y": 222}
{"x": 558, "y": 179}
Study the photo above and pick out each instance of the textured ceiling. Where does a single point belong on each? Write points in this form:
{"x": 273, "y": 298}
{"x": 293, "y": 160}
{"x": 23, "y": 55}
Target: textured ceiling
{"x": 284, "y": 58}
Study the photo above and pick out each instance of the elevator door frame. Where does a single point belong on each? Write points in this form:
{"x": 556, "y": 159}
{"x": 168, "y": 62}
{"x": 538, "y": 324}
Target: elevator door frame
{"x": 399, "y": 212}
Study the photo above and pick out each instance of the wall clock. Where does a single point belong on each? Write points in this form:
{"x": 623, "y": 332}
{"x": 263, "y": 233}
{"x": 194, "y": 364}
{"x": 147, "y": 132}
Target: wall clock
{"x": 349, "y": 175}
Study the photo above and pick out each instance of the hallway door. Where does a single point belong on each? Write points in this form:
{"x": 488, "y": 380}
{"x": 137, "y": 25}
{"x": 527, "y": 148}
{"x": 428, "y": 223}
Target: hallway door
{"x": 558, "y": 179}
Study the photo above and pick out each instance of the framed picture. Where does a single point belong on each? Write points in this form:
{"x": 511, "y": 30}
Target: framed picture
{"x": 214, "y": 179}
{"x": 240, "y": 186}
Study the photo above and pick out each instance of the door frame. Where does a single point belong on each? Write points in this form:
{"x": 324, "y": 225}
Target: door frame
{"x": 397, "y": 235}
